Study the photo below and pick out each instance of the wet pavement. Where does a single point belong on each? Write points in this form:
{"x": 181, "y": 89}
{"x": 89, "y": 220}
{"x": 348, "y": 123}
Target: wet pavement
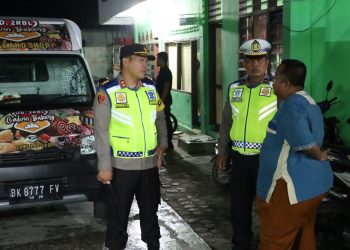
{"x": 188, "y": 187}
{"x": 73, "y": 227}
{"x": 194, "y": 214}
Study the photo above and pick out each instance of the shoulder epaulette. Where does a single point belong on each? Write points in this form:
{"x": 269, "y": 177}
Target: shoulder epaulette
{"x": 106, "y": 83}
{"x": 240, "y": 81}
{"x": 103, "y": 81}
{"x": 148, "y": 80}
{"x": 268, "y": 79}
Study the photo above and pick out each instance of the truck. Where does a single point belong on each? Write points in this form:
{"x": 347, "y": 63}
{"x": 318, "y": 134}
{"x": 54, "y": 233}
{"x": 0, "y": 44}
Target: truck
{"x": 47, "y": 146}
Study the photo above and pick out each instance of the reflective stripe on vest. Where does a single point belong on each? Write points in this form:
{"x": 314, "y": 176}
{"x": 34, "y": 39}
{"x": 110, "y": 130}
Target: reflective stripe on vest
{"x": 252, "y": 109}
{"x": 132, "y": 129}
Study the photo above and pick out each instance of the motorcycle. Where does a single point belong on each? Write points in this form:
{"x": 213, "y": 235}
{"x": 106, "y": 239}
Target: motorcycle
{"x": 333, "y": 218}
{"x": 331, "y": 138}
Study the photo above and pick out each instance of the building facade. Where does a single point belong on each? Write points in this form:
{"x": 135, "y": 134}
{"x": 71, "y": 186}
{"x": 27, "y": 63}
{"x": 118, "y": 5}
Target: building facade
{"x": 202, "y": 39}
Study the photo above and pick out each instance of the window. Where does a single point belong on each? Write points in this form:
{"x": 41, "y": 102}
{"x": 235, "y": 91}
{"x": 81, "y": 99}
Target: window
{"x": 28, "y": 70}
{"x": 44, "y": 80}
{"x": 181, "y": 64}
{"x": 186, "y": 63}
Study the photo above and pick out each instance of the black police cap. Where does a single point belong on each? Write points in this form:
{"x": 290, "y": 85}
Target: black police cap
{"x": 136, "y": 50}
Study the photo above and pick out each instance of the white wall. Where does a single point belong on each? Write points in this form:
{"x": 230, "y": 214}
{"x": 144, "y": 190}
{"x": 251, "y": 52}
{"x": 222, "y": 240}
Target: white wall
{"x": 98, "y": 51}
{"x": 109, "y": 8}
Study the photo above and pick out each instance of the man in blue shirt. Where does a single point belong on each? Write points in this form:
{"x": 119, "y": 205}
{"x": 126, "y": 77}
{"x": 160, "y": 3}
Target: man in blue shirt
{"x": 294, "y": 175}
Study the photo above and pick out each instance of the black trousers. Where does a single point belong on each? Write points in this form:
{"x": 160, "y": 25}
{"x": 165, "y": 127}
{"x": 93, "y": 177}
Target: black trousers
{"x": 243, "y": 189}
{"x": 145, "y": 185}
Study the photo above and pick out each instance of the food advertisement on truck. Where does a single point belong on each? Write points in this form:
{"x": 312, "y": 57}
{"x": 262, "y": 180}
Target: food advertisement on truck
{"x": 33, "y": 35}
{"x": 43, "y": 130}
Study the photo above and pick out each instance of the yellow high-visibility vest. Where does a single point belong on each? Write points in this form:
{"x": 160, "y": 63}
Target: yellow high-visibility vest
{"x": 132, "y": 129}
{"x": 252, "y": 109}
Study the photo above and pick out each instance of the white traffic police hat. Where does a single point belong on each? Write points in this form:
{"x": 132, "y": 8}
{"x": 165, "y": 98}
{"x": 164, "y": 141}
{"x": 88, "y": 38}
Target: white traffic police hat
{"x": 255, "y": 47}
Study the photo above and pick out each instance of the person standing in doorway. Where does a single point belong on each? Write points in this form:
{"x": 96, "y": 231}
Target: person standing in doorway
{"x": 163, "y": 84}
{"x": 130, "y": 134}
{"x": 250, "y": 106}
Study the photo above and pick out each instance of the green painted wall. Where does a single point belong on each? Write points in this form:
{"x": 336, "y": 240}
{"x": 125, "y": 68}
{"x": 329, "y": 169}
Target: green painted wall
{"x": 318, "y": 33}
{"x": 204, "y": 70}
{"x": 198, "y": 31}
{"x": 229, "y": 47}
{"x": 230, "y": 43}
{"x": 165, "y": 26}
{"x": 179, "y": 108}
{"x": 163, "y": 20}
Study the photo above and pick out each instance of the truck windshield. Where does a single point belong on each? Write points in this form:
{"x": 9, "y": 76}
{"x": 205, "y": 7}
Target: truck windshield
{"x": 44, "y": 80}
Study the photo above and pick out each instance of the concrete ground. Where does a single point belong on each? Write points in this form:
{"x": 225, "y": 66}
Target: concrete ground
{"x": 194, "y": 214}
{"x": 72, "y": 227}
{"x": 188, "y": 187}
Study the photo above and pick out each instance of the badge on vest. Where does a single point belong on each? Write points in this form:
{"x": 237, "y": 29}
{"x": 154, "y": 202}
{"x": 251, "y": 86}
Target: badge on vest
{"x": 151, "y": 97}
{"x": 265, "y": 91}
{"x": 121, "y": 99}
{"x": 237, "y": 95}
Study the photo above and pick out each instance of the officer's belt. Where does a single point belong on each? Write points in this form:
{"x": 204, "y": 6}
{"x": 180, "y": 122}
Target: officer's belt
{"x": 129, "y": 154}
{"x": 242, "y": 144}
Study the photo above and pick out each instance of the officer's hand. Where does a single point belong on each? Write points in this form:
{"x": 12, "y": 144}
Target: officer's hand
{"x": 105, "y": 176}
{"x": 221, "y": 161}
{"x": 160, "y": 153}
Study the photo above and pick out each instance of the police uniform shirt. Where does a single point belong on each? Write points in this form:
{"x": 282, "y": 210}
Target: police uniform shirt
{"x": 102, "y": 114}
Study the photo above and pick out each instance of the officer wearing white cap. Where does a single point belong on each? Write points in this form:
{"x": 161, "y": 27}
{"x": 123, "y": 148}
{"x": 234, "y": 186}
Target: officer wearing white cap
{"x": 250, "y": 105}
{"x": 255, "y": 47}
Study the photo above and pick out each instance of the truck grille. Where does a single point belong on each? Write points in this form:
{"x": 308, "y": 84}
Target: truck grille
{"x": 32, "y": 157}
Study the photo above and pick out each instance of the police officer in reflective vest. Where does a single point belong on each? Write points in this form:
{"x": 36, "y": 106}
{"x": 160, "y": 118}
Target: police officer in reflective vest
{"x": 251, "y": 104}
{"x": 131, "y": 137}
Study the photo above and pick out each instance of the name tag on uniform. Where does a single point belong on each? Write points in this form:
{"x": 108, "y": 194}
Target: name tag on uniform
{"x": 151, "y": 97}
{"x": 237, "y": 95}
{"x": 121, "y": 100}
{"x": 265, "y": 91}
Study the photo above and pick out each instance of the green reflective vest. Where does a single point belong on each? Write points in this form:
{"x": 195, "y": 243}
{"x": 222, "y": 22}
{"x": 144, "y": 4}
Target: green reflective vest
{"x": 132, "y": 129}
{"x": 252, "y": 109}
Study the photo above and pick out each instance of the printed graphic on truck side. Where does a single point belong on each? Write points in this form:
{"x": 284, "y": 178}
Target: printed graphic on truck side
{"x": 33, "y": 35}
{"x": 43, "y": 129}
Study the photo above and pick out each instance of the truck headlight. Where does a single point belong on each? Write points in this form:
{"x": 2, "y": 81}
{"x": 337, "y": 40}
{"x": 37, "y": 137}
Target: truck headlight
{"x": 87, "y": 145}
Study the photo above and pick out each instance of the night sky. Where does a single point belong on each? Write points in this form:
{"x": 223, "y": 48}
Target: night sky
{"x": 83, "y": 12}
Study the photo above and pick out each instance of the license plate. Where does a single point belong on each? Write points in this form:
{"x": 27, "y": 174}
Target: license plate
{"x": 35, "y": 192}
